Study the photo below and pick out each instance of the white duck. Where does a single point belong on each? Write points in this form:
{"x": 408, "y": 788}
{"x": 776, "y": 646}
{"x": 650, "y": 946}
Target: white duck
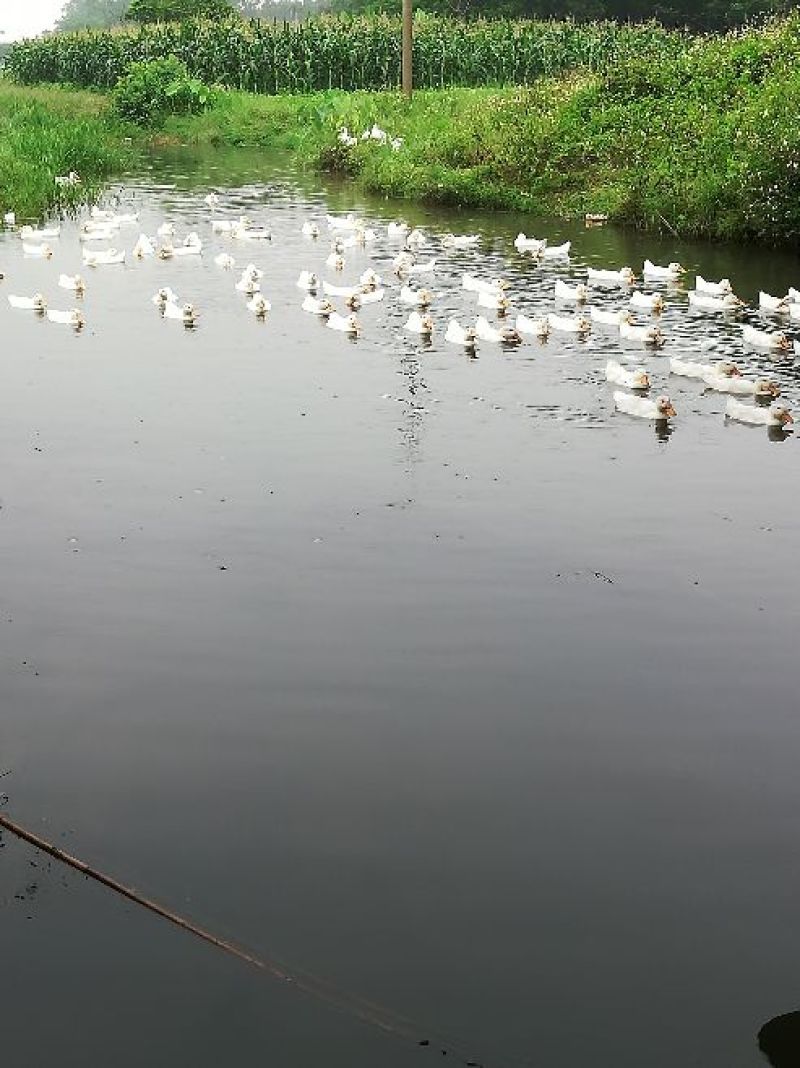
{"x": 403, "y": 262}
{"x": 344, "y": 324}
{"x": 486, "y": 332}
{"x": 715, "y": 289}
{"x": 370, "y": 278}
{"x": 416, "y": 239}
{"x": 335, "y": 261}
{"x": 421, "y": 268}
{"x": 185, "y": 313}
{"x": 97, "y": 259}
{"x": 647, "y": 335}
{"x": 307, "y": 280}
{"x": 67, "y": 318}
{"x": 248, "y": 284}
{"x": 259, "y": 306}
{"x": 74, "y": 282}
{"x": 748, "y": 413}
{"x": 691, "y": 369}
{"x": 601, "y": 277}
{"x": 422, "y": 298}
{"x": 42, "y": 250}
{"x": 330, "y": 290}
{"x": 610, "y": 318}
{"x": 703, "y": 301}
{"x": 164, "y": 296}
{"x": 764, "y": 339}
{"x": 9, "y": 218}
{"x": 659, "y": 409}
{"x": 456, "y": 334}
{"x": 100, "y": 215}
{"x": 535, "y": 327}
{"x": 227, "y": 226}
{"x": 769, "y": 303}
{"x": 317, "y": 307}
{"x": 495, "y": 301}
{"x": 143, "y": 247}
{"x": 419, "y": 324}
{"x": 29, "y": 233}
{"x": 371, "y": 296}
{"x": 473, "y": 284}
{"x": 652, "y": 302}
{"x": 225, "y": 260}
{"x": 251, "y": 233}
{"x": 556, "y": 252}
{"x": 35, "y": 303}
{"x": 573, "y": 294}
{"x": 166, "y": 230}
{"x": 670, "y": 273}
{"x": 310, "y": 229}
{"x": 745, "y": 387}
{"x": 212, "y": 200}
{"x": 635, "y": 379}
{"x": 530, "y": 244}
{"x": 460, "y": 240}
{"x": 349, "y": 222}
{"x": 573, "y": 324}
{"x": 397, "y": 231}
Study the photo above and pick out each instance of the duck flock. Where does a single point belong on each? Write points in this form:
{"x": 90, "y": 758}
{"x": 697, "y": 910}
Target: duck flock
{"x": 609, "y": 301}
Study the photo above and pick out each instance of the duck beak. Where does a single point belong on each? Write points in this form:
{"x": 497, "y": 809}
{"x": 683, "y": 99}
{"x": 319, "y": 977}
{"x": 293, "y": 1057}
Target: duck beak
{"x": 669, "y": 410}
{"x": 788, "y": 417}
{"x": 736, "y": 373}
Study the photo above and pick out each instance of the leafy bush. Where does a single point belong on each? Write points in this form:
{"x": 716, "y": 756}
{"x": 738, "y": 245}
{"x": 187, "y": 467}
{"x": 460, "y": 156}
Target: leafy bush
{"x": 143, "y": 11}
{"x": 149, "y": 91}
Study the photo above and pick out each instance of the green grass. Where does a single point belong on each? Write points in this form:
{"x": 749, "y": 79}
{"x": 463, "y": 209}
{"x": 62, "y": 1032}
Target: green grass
{"x": 49, "y": 131}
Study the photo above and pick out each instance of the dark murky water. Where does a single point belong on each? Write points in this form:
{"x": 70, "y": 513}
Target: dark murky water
{"x": 426, "y": 674}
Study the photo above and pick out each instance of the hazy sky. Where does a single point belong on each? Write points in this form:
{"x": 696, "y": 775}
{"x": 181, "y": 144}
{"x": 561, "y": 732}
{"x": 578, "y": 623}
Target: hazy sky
{"x": 23, "y": 18}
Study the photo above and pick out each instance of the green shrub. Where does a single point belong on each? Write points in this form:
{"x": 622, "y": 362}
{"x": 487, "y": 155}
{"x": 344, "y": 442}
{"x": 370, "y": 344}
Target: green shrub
{"x": 151, "y": 90}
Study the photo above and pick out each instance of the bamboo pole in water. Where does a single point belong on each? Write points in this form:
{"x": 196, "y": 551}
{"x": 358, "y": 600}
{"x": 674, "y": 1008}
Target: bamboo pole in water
{"x": 407, "y": 48}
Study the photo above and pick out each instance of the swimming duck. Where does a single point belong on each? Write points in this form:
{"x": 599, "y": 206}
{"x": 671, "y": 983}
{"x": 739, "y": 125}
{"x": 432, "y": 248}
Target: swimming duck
{"x": 764, "y": 339}
{"x": 574, "y": 324}
{"x": 73, "y": 178}
{"x": 166, "y": 230}
{"x": 595, "y": 218}
{"x": 35, "y": 303}
{"x": 370, "y": 278}
{"x": 659, "y": 409}
{"x": 248, "y": 284}
{"x": 496, "y": 301}
{"x": 610, "y": 318}
{"x": 403, "y": 262}
{"x": 68, "y": 318}
{"x": 185, "y": 313}
{"x": 96, "y": 259}
{"x": 670, "y": 273}
{"x": 554, "y": 252}
{"x": 653, "y": 302}
{"x": 331, "y": 290}
{"x": 227, "y": 226}
{"x": 473, "y": 284}
{"x": 310, "y": 229}
{"x": 165, "y": 295}
{"x": 715, "y": 289}
{"x": 124, "y": 219}
{"x": 690, "y": 369}
{"x": 635, "y": 379}
{"x": 574, "y": 294}
{"x": 745, "y": 387}
{"x": 97, "y": 233}
{"x": 421, "y": 268}
{"x": 9, "y": 218}
{"x": 72, "y": 281}
{"x": 623, "y": 277}
{"x": 344, "y": 324}
{"x": 416, "y": 239}
{"x": 42, "y": 250}
{"x": 530, "y": 244}
{"x": 212, "y": 200}
{"x": 397, "y": 231}
{"x": 458, "y": 335}
{"x": 224, "y": 260}
{"x": 486, "y": 332}
{"x": 704, "y": 301}
{"x": 419, "y": 324}
{"x": 335, "y": 261}
{"x": 794, "y": 309}
{"x": 349, "y": 222}
{"x": 460, "y": 240}
{"x": 143, "y": 247}
{"x": 353, "y": 303}
{"x": 421, "y": 297}
{"x": 371, "y": 296}
{"x": 317, "y": 307}
{"x": 769, "y": 303}
{"x": 28, "y": 233}
{"x": 748, "y": 413}
{"x": 242, "y": 232}
{"x": 259, "y": 306}
{"x": 536, "y": 327}
{"x": 99, "y": 214}
{"x": 649, "y": 335}
{"x": 307, "y": 280}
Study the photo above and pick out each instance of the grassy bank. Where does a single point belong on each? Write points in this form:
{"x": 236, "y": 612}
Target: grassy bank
{"x": 705, "y": 143}
{"x": 46, "y": 132}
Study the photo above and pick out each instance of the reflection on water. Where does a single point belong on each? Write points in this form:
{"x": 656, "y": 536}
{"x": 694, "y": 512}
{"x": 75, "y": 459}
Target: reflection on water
{"x": 420, "y": 670}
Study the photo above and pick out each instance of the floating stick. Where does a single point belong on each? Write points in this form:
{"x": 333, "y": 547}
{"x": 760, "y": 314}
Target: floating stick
{"x": 375, "y": 1015}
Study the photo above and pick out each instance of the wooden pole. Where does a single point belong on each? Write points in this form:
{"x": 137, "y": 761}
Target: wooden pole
{"x": 407, "y": 48}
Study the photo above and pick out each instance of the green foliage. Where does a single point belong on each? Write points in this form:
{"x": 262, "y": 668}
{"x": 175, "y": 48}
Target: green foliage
{"x": 46, "y": 132}
{"x": 341, "y": 53}
{"x": 143, "y": 11}
{"x": 78, "y": 14}
{"x": 158, "y": 87}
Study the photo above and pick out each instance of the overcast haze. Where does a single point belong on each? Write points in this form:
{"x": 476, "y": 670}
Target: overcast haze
{"x": 23, "y": 18}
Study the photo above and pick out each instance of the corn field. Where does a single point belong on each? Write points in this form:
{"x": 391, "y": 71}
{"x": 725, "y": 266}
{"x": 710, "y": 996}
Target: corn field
{"x": 341, "y": 52}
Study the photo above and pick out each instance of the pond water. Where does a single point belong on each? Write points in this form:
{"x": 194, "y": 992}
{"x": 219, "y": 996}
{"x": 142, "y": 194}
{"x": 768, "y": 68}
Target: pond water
{"x": 426, "y": 674}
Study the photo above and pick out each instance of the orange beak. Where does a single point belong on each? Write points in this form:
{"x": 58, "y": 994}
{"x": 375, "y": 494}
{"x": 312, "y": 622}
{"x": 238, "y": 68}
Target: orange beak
{"x": 788, "y": 418}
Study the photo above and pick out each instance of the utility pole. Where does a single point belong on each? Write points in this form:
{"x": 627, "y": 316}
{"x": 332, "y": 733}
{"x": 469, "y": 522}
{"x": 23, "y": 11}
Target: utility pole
{"x": 407, "y": 48}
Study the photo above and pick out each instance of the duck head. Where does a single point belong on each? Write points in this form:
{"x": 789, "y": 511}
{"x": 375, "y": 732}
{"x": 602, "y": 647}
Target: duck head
{"x": 782, "y": 415}
{"x": 353, "y": 325}
{"x": 727, "y": 369}
{"x": 641, "y": 379}
{"x": 353, "y": 302}
{"x": 627, "y": 275}
{"x": 664, "y": 408}
{"x": 767, "y": 388}
{"x": 426, "y": 325}
{"x": 39, "y": 302}
{"x": 782, "y": 342}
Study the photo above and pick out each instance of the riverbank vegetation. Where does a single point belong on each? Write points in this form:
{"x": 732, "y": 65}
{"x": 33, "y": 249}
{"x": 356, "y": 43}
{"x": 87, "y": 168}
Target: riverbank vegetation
{"x": 46, "y": 132}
